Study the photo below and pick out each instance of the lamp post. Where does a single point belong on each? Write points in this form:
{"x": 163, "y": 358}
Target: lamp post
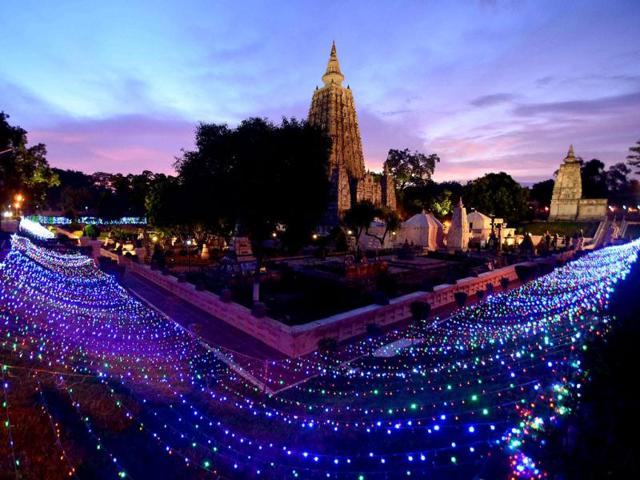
{"x": 18, "y": 199}
{"x": 189, "y": 256}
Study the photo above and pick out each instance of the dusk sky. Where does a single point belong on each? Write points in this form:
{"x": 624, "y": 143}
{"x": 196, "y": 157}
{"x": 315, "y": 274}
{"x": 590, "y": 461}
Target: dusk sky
{"x": 119, "y": 86}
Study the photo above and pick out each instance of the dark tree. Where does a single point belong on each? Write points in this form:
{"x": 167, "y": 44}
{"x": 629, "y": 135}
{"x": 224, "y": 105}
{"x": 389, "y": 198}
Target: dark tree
{"x": 256, "y": 179}
{"x": 438, "y": 198}
{"x": 359, "y": 217}
{"x": 633, "y": 158}
{"x": 74, "y": 195}
{"x": 497, "y": 194}
{"x": 594, "y": 179}
{"x": 392, "y": 223}
{"x": 164, "y": 204}
{"x": 541, "y": 192}
{"x": 410, "y": 168}
{"x": 23, "y": 169}
{"x": 621, "y": 189}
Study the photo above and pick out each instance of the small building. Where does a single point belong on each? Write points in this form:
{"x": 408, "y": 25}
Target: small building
{"x": 423, "y": 230}
{"x": 567, "y": 202}
{"x": 481, "y": 225}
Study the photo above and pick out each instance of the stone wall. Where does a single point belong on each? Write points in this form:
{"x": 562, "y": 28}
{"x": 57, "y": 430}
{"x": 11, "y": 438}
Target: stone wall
{"x": 302, "y": 339}
{"x": 369, "y": 188}
{"x": 268, "y": 330}
{"x": 592, "y": 209}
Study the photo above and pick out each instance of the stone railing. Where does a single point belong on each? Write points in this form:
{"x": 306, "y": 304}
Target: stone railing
{"x": 299, "y": 340}
{"x": 270, "y": 331}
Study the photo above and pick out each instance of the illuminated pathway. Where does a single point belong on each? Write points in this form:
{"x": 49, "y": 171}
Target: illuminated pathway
{"x": 471, "y": 395}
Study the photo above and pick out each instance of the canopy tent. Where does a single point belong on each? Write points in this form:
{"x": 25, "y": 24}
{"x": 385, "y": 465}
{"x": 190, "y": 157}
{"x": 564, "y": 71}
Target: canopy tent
{"x": 423, "y": 229}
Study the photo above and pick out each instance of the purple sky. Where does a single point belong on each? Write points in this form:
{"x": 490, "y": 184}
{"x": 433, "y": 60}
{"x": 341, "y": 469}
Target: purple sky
{"x": 119, "y": 86}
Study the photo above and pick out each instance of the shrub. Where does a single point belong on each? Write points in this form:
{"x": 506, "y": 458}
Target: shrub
{"x": 373, "y": 329}
{"x": 259, "y": 310}
{"x": 504, "y": 283}
{"x": 419, "y": 310}
{"x": 526, "y": 272}
{"x": 91, "y": 231}
{"x": 327, "y": 344}
{"x": 461, "y": 298}
{"x": 480, "y": 294}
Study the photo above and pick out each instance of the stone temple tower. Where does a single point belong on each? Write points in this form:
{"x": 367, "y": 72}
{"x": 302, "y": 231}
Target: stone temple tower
{"x": 333, "y": 109}
{"x": 567, "y": 202}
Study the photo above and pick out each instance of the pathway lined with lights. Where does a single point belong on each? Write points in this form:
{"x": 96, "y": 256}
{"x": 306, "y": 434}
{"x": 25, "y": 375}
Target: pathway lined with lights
{"x": 472, "y": 394}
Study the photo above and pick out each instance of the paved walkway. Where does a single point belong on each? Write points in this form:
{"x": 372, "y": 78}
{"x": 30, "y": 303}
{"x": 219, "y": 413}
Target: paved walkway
{"x": 252, "y": 352}
{"x": 216, "y": 332}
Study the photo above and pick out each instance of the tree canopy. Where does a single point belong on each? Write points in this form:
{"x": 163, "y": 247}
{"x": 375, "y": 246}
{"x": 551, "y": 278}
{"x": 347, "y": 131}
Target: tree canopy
{"x": 392, "y": 223}
{"x": 410, "y": 168}
{"x": 542, "y": 192}
{"x": 594, "y": 179}
{"x": 498, "y": 194}
{"x": 258, "y": 177}
{"x": 633, "y": 159}
{"x": 106, "y": 195}
{"x": 434, "y": 197}
{"x": 359, "y": 217}
{"x": 23, "y": 169}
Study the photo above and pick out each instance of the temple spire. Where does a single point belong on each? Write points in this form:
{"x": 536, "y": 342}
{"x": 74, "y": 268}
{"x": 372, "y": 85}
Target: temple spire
{"x": 570, "y": 155}
{"x": 333, "y": 73}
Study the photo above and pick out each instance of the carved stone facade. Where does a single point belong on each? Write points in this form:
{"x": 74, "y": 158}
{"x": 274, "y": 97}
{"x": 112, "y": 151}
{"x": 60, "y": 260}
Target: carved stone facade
{"x": 369, "y": 188}
{"x": 567, "y": 202}
{"x": 333, "y": 109}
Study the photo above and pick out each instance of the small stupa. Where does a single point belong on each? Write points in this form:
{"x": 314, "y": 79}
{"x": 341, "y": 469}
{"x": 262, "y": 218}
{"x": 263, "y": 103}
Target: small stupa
{"x": 458, "y": 234}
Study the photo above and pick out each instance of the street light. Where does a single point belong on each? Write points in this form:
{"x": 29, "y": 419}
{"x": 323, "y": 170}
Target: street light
{"x": 18, "y": 198}
{"x": 189, "y": 256}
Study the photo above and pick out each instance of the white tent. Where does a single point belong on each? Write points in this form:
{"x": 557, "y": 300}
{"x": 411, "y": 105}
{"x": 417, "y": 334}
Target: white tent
{"x": 423, "y": 229}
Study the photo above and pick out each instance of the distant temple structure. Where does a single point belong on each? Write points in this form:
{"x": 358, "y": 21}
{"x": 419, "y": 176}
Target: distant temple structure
{"x": 458, "y": 234}
{"x": 333, "y": 109}
{"x": 567, "y": 202}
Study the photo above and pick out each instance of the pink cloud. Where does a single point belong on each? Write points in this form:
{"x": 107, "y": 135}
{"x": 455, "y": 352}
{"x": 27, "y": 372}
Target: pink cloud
{"x": 127, "y": 144}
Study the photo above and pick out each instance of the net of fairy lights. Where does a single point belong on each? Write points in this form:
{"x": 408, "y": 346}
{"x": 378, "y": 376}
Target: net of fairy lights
{"x": 35, "y": 230}
{"x": 484, "y": 383}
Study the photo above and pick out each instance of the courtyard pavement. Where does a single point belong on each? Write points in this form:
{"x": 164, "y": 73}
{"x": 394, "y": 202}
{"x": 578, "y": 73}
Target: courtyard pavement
{"x": 267, "y": 366}
{"x": 216, "y": 332}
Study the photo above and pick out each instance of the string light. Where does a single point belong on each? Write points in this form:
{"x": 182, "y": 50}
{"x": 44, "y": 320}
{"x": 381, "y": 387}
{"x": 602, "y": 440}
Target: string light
{"x": 487, "y": 381}
{"x": 35, "y": 230}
